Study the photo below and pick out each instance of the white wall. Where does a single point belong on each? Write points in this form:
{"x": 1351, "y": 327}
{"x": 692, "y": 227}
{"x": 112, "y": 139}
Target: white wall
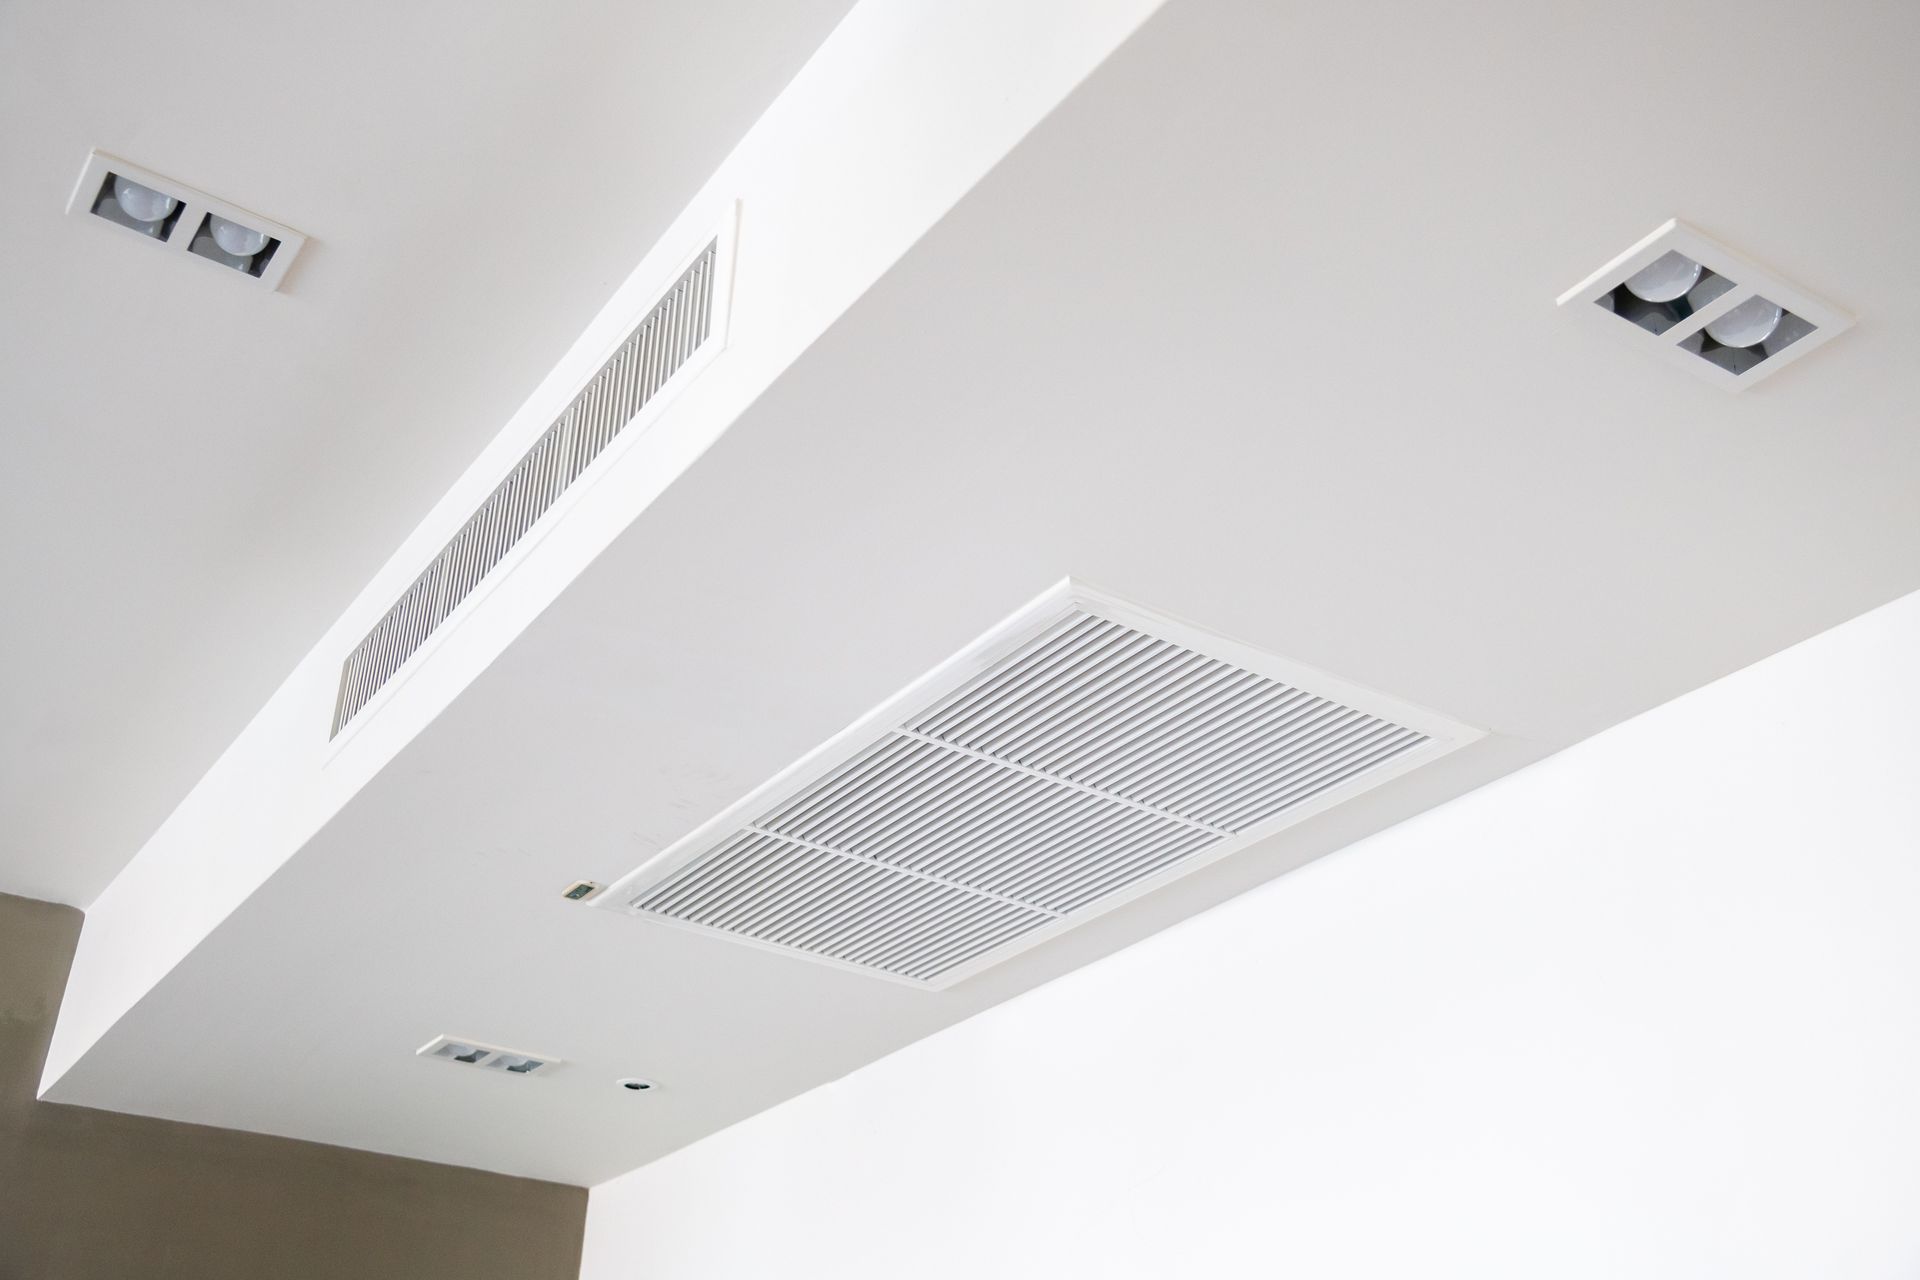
{"x": 1646, "y": 1009}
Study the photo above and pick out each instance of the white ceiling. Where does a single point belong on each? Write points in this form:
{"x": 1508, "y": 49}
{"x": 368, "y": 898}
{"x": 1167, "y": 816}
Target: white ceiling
{"x": 204, "y": 475}
{"x": 1629, "y": 1013}
{"x": 1256, "y": 330}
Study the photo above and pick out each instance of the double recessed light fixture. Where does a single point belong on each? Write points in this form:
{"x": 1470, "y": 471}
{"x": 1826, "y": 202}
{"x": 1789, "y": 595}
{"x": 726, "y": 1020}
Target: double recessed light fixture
{"x": 512, "y": 1062}
{"x": 180, "y": 218}
{"x": 472, "y": 1053}
{"x": 1714, "y": 311}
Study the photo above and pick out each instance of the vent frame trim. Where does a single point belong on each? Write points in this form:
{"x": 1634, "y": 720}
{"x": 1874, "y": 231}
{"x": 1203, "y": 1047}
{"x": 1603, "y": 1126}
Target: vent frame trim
{"x": 895, "y": 717}
{"x": 721, "y": 243}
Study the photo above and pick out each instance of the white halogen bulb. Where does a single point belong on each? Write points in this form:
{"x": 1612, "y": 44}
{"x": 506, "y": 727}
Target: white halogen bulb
{"x": 211, "y": 250}
{"x": 242, "y": 242}
{"x": 142, "y": 204}
{"x": 1753, "y": 321}
{"x": 1667, "y": 277}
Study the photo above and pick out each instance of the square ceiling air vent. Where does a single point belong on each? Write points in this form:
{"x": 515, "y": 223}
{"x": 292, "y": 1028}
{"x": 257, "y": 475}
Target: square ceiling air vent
{"x": 1694, "y": 301}
{"x": 1074, "y": 757}
{"x": 178, "y": 218}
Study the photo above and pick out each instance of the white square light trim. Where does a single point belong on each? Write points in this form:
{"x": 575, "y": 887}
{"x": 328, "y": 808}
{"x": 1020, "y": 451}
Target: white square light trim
{"x": 1727, "y": 287}
{"x": 187, "y": 229}
{"x": 1083, "y": 752}
{"x": 461, "y": 1051}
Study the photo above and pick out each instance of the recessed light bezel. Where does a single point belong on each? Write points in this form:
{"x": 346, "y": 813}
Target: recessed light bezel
{"x": 187, "y": 222}
{"x": 1681, "y": 339}
{"x": 466, "y": 1051}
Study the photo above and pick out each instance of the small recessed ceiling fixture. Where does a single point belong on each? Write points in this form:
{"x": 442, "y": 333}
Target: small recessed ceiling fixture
{"x": 1714, "y": 311}
{"x": 179, "y": 218}
{"x": 582, "y": 891}
{"x": 635, "y": 1084}
{"x": 473, "y": 1053}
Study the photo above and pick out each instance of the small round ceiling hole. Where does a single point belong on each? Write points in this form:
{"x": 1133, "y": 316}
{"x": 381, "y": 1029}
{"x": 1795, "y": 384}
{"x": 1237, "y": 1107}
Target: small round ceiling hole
{"x": 636, "y": 1084}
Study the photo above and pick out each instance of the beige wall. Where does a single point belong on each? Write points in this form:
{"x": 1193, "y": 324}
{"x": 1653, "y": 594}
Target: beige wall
{"x": 88, "y": 1193}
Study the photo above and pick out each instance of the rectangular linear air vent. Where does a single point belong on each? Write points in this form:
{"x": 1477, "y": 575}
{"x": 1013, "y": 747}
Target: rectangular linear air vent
{"x": 683, "y": 323}
{"x": 1077, "y": 755}
{"x": 1695, "y": 302}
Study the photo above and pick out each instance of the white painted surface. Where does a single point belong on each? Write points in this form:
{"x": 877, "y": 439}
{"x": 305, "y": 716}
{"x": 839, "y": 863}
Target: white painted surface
{"x": 205, "y": 474}
{"x": 1644, "y": 1009}
{"x": 984, "y": 664}
{"x": 971, "y": 81}
{"x": 1159, "y": 346}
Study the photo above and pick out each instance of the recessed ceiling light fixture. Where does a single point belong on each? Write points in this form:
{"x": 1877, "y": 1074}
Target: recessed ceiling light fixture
{"x": 1715, "y": 311}
{"x": 473, "y": 1053}
{"x": 178, "y": 217}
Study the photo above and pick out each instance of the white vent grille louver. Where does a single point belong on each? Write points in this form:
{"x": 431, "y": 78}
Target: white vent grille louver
{"x": 1072, "y": 758}
{"x": 664, "y": 341}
